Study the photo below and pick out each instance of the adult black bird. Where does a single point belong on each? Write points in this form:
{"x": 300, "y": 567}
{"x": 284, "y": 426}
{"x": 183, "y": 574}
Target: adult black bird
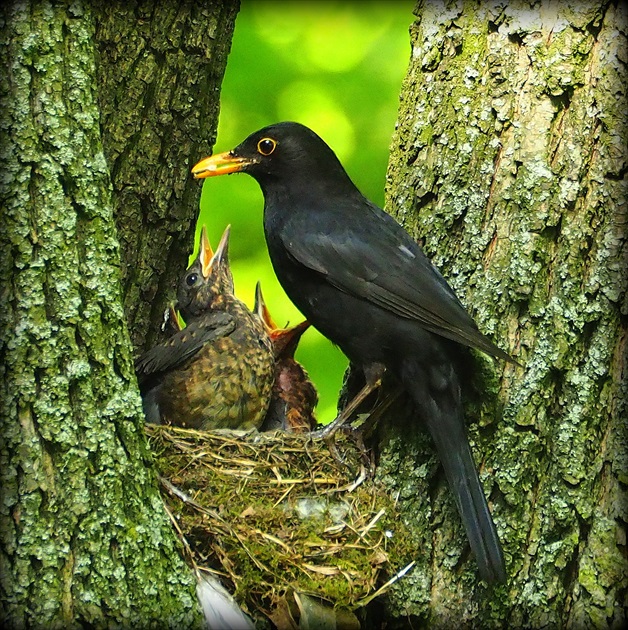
{"x": 218, "y": 371}
{"x": 361, "y": 280}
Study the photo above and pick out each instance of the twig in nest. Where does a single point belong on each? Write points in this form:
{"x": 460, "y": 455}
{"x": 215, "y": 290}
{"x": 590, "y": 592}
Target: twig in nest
{"x": 364, "y": 601}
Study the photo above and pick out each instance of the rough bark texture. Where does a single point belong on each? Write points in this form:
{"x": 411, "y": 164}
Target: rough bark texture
{"x": 85, "y": 540}
{"x": 509, "y": 162}
{"x": 160, "y": 69}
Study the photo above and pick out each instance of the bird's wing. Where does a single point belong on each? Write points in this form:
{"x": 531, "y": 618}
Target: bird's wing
{"x": 386, "y": 267}
{"x": 184, "y": 344}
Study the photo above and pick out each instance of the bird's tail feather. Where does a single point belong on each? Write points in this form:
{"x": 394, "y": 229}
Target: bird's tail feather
{"x": 456, "y": 457}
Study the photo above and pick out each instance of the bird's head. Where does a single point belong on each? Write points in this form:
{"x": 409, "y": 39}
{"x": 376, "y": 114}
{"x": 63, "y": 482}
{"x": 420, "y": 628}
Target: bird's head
{"x": 208, "y": 280}
{"x": 284, "y": 340}
{"x": 285, "y": 151}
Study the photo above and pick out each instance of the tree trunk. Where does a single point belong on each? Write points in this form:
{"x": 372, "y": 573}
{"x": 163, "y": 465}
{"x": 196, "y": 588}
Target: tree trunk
{"x": 159, "y": 75}
{"x": 95, "y": 113}
{"x": 509, "y": 162}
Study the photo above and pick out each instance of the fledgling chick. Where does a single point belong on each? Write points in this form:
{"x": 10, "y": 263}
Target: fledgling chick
{"x": 294, "y": 395}
{"x": 218, "y": 371}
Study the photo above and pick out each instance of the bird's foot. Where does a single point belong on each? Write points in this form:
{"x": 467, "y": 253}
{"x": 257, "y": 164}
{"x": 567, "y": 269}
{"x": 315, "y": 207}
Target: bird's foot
{"x": 328, "y": 430}
{"x": 358, "y": 435}
{"x": 344, "y": 416}
{"x": 330, "y": 442}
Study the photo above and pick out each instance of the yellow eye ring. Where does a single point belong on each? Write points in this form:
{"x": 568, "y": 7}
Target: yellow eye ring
{"x": 266, "y": 146}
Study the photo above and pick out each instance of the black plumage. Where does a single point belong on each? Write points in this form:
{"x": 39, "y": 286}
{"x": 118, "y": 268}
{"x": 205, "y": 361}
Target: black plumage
{"x": 360, "y": 279}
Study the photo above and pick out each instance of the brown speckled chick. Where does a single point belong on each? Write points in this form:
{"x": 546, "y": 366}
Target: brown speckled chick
{"x": 218, "y": 371}
{"x": 294, "y": 395}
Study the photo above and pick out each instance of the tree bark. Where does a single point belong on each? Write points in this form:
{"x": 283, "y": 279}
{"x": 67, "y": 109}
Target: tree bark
{"x": 160, "y": 67}
{"x": 509, "y": 163}
{"x": 85, "y": 538}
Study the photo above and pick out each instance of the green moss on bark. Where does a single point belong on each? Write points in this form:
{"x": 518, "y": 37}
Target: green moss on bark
{"x": 507, "y": 164}
{"x": 160, "y": 68}
{"x": 85, "y": 537}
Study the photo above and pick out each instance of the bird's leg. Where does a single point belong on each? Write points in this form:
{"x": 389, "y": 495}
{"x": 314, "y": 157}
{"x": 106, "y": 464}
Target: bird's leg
{"x": 373, "y": 374}
{"x": 372, "y": 420}
{"x": 364, "y": 431}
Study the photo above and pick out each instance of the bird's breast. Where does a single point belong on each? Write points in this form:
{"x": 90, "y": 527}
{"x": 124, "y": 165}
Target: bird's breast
{"x": 227, "y": 384}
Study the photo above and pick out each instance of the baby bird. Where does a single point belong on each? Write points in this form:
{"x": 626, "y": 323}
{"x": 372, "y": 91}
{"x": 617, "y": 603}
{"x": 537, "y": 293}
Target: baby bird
{"x": 294, "y": 395}
{"x": 218, "y": 371}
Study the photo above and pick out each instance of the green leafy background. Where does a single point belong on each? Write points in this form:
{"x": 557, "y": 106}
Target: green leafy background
{"x": 336, "y": 67}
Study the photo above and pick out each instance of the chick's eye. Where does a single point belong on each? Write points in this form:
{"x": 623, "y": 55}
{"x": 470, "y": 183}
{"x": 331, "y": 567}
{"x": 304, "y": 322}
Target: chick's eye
{"x": 191, "y": 279}
{"x": 266, "y": 146}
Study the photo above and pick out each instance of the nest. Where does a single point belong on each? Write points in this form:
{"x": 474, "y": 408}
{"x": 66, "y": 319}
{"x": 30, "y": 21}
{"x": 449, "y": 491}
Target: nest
{"x": 274, "y": 514}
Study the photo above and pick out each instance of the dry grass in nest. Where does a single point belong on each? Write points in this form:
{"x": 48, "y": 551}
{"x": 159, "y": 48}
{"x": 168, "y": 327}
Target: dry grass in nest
{"x": 275, "y": 513}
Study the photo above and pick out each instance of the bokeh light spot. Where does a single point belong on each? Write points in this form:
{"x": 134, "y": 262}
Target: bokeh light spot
{"x": 311, "y": 104}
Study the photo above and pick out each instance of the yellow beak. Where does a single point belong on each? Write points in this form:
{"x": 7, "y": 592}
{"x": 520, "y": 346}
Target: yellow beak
{"x": 219, "y": 164}
{"x": 210, "y": 258}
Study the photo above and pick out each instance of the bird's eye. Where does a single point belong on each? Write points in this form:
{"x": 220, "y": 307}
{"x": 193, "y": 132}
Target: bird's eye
{"x": 266, "y": 146}
{"x": 191, "y": 279}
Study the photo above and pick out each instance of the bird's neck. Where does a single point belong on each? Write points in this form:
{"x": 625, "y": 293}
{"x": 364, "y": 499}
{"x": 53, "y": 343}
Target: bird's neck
{"x": 303, "y": 191}
{"x": 234, "y": 306}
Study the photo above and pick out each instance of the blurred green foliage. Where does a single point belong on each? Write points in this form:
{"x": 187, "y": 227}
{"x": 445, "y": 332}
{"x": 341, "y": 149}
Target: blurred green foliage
{"x": 336, "y": 67}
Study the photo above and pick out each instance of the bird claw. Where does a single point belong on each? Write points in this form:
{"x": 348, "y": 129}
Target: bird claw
{"x": 330, "y": 442}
